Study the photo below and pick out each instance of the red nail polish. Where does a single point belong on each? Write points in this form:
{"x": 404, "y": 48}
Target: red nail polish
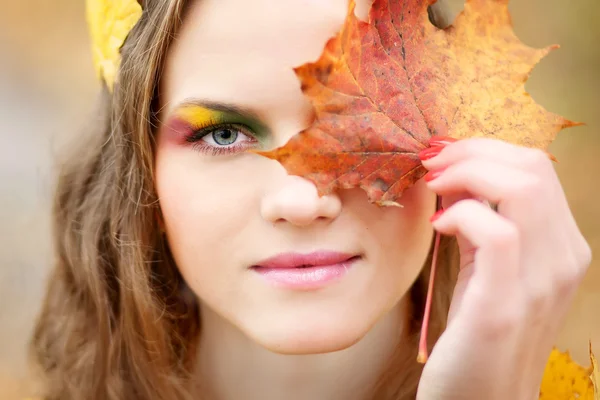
{"x": 437, "y": 215}
{"x": 430, "y": 152}
{"x": 431, "y": 175}
{"x": 441, "y": 140}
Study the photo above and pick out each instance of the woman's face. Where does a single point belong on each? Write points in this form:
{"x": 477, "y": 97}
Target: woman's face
{"x": 229, "y": 86}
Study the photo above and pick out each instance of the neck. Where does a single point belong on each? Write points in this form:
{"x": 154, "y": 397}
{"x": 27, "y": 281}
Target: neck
{"x": 233, "y": 367}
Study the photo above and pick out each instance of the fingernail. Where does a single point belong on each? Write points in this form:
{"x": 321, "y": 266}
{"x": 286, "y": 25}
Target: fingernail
{"x": 437, "y": 215}
{"x": 441, "y": 140}
{"x": 430, "y": 152}
{"x": 431, "y": 175}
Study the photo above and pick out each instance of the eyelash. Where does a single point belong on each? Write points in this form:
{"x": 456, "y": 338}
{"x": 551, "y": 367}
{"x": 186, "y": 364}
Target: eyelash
{"x": 201, "y": 146}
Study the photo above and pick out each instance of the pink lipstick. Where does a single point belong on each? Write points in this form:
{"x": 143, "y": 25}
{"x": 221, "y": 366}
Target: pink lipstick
{"x": 305, "y": 271}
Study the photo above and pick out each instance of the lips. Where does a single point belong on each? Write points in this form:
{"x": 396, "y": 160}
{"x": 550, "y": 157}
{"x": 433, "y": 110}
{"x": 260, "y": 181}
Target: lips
{"x": 311, "y": 271}
{"x": 298, "y": 260}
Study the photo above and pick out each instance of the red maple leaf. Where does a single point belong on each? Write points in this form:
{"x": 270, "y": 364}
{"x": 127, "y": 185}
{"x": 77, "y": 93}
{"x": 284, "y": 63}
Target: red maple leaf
{"x": 382, "y": 88}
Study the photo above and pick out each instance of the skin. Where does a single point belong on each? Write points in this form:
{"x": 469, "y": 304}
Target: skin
{"x": 226, "y": 212}
{"x": 520, "y": 269}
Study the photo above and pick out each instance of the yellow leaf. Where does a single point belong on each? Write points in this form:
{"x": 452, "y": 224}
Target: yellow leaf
{"x": 110, "y": 21}
{"x": 595, "y": 375}
{"x": 564, "y": 379}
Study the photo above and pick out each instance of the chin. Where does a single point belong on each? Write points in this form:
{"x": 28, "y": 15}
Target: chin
{"x": 314, "y": 344}
{"x": 317, "y": 331}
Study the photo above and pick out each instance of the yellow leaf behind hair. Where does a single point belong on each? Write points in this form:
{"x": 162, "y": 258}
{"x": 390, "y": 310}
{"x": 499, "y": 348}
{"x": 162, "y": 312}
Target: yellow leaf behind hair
{"x": 110, "y": 21}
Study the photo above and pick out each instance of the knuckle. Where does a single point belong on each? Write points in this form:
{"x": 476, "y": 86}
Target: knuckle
{"x": 567, "y": 280}
{"x": 566, "y": 283}
{"x": 528, "y": 186}
{"x": 472, "y": 146}
{"x": 536, "y": 158}
{"x": 506, "y": 235}
{"x": 571, "y": 271}
{"x": 532, "y": 185}
{"x": 583, "y": 255}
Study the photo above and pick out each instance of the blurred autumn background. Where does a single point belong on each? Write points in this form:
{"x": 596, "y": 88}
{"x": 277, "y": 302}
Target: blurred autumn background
{"x": 48, "y": 87}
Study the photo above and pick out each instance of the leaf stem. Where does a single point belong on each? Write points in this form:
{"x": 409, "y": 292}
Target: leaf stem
{"x": 423, "y": 353}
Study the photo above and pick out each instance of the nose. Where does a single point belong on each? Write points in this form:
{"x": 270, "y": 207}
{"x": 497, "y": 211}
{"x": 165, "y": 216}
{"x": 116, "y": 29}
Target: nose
{"x": 296, "y": 201}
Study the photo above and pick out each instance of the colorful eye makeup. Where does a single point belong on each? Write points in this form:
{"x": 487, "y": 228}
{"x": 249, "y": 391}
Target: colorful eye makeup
{"x": 216, "y": 128}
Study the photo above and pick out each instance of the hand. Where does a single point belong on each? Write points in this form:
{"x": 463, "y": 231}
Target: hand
{"x": 520, "y": 268}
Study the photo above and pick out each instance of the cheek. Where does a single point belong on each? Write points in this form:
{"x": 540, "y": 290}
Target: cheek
{"x": 401, "y": 236}
{"x": 408, "y": 229}
{"x": 205, "y": 204}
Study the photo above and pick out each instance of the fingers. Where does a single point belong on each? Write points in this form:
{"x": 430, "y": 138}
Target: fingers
{"x": 493, "y": 181}
{"x": 533, "y": 214}
{"x": 521, "y": 181}
{"x": 514, "y": 190}
{"x": 496, "y": 239}
{"x": 529, "y": 256}
{"x": 488, "y": 149}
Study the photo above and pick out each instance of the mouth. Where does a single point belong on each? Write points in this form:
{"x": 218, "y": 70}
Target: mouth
{"x": 305, "y": 271}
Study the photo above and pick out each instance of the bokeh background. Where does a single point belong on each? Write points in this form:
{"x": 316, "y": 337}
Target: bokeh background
{"x": 48, "y": 88}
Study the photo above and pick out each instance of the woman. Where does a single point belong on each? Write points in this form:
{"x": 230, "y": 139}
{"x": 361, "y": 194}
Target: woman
{"x": 190, "y": 268}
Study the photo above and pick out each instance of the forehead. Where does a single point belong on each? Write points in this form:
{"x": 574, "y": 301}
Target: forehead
{"x": 243, "y": 51}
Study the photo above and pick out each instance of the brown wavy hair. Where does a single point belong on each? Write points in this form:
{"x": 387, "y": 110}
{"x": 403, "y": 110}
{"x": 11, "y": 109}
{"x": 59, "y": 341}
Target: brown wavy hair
{"x": 118, "y": 321}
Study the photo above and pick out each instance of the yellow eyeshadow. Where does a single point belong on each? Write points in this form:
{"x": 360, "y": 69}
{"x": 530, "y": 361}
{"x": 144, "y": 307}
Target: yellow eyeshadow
{"x": 199, "y": 116}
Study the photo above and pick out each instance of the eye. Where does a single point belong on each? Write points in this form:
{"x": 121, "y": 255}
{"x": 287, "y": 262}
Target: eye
{"x": 224, "y": 136}
{"x": 223, "y": 139}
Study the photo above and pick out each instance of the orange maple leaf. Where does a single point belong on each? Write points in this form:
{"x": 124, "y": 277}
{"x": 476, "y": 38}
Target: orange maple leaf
{"x": 382, "y": 88}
